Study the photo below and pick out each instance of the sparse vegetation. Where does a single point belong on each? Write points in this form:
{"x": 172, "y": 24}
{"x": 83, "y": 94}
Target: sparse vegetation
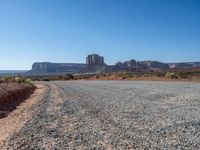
{"x": 52, "y": 77}
{"x": 29, "y": 82}
{"x": 171, "y": 75}
{"x": 19, "y": 80}
{"x": 193, "y": 75}
{"x": 6, "y": 79}
{"x": 13, "y": 90}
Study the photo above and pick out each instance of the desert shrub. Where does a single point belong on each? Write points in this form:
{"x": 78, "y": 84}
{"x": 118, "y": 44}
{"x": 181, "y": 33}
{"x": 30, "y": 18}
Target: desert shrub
{"x": 124, "y": 77}
{"x": 172, "y": 75}
{"x": 45, "y": 79}
{"x": 19, "y": 80}
{"x": 160, "y": 75}
{"x": 29, "y": 82}
{"x": 69, "y": 77}
{"x": 183, "y": 75}
{"x": 6, "y": 79}
{"x": 145, "y": 75}
{"x": 134, "y": 76}
{"x": 1, "y": 80}
{"x": 128, "y": 75}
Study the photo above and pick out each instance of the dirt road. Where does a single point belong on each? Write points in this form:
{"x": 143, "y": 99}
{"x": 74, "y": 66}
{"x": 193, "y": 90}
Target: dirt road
{"x": 112, "y": 115}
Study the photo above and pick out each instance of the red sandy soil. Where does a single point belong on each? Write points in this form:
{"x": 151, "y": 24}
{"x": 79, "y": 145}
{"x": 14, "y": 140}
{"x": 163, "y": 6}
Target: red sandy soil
{"x": 11, "y": 95}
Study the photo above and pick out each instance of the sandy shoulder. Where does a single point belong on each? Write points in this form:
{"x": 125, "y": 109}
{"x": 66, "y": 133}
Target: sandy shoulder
{"x": 17, "y": 118}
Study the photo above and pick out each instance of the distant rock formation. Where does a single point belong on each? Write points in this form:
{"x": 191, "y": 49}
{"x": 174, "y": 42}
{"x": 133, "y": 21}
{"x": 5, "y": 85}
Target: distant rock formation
{"x": 131, "y": 64}
{"x": 119, "y": 64}
{"x": 153, "y": 64}
{"x": 142, "y": 64}
{"x": 96, "y": 64}
{"x": 47, "y": 67}
{"x": 184, "y": 65}
{"x": 95, "y": 60}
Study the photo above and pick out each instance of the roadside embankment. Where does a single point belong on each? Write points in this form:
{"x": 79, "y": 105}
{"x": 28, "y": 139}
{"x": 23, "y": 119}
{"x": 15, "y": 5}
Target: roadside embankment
{"x": 12, "y": 94}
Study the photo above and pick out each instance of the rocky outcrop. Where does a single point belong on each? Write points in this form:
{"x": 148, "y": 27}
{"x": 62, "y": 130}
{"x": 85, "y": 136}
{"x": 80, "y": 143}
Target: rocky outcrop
{"x": 46, "y": 67}
{"x": 95, "y": 60}
{"x": 130, "y": 63}
{"x": 184, "y": 65}
{"x": 95, "y": 64}
{"x": 152, "y": 65}
{"x": 142, "y": 64}
{"x": 119, "y": 64}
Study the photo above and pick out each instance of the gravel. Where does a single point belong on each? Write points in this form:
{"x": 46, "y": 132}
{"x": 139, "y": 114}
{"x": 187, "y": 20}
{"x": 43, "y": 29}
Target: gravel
{"x": 97, "y": 115}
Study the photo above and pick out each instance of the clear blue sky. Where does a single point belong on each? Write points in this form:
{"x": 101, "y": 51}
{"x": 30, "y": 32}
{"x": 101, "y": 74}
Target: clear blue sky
{"x": 68, "y": 30}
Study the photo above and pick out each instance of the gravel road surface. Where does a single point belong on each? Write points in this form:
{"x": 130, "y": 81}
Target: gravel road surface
{"x": 122, "y": 115}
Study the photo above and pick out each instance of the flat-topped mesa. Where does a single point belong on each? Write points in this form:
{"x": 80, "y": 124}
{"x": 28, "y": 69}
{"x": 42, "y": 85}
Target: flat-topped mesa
{"x": 47, "y": 67}
{"x": 95, "y": 60}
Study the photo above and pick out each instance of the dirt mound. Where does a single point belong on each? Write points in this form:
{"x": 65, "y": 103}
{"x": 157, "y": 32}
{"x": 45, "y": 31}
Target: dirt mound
{"x": 11, "y": 95}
